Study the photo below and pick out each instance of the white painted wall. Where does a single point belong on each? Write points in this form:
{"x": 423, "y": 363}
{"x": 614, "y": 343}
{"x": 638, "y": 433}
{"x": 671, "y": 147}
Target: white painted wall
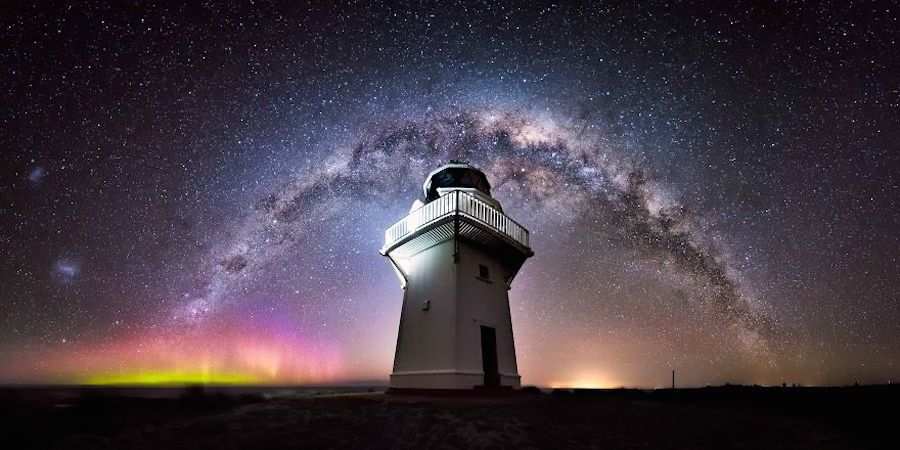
{"x": 484, "y": 302}
{"x": 426, "y": 340}
{"x": 440, "y": 348}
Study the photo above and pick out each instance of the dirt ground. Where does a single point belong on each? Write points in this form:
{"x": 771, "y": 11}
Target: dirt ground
{"x": 359, "y": 420}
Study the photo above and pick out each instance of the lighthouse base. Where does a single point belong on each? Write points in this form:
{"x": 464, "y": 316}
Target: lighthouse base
{"x": 447, "y": 379}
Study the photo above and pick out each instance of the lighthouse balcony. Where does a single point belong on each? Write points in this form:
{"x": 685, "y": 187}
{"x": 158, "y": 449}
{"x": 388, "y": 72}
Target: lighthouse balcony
{"x": 459, "y": 213}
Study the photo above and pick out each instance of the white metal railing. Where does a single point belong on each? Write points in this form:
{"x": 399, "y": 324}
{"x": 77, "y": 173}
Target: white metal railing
{"x": 456, "y": 202}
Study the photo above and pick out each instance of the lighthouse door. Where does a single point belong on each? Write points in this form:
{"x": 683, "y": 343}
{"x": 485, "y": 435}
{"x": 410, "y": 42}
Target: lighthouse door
{"x": 489, "y": 356}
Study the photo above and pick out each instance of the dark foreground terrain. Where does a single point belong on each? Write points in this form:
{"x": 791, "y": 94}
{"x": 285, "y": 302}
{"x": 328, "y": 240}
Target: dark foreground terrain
{"x": 726, "y": 417}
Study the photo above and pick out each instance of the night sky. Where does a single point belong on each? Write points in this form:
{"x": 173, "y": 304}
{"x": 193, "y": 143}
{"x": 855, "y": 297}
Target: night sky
{"x": 199, "y": 193}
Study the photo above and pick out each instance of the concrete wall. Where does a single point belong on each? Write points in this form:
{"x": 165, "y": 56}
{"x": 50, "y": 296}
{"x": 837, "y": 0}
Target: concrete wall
{"x": 441, "y": 348}
{"x": 426, "y": 341}
{"x": 484, "y": 302}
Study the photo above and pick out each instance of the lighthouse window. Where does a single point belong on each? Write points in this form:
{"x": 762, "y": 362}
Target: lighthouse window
{"x": 483, "y": 272}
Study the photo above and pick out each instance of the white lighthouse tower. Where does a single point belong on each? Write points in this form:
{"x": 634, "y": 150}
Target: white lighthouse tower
{"x": 456, "y": 255}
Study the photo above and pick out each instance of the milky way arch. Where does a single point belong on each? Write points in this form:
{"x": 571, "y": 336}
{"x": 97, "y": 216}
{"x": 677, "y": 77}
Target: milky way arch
{"x": 546, "y": 162}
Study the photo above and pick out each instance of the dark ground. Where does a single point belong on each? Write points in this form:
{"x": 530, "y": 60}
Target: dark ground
{"x": 726, "y": 417}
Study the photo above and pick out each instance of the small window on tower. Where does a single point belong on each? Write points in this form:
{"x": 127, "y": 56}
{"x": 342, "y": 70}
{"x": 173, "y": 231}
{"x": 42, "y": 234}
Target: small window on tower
{"x": 483, "y": 272}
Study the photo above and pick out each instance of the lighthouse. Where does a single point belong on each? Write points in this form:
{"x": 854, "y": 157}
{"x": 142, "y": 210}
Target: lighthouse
{"x": 456, "y": 254}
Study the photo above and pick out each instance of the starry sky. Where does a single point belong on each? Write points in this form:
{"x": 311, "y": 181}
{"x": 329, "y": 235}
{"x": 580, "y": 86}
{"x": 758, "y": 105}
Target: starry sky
{"x": 199, "y": 193}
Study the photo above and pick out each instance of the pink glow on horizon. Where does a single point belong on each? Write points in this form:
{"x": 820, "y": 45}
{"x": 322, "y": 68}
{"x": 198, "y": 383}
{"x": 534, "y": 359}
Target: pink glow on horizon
{"x": 257, "y": 353}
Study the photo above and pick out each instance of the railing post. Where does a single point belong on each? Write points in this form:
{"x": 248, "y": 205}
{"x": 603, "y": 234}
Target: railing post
{"x": 455, "y": 213}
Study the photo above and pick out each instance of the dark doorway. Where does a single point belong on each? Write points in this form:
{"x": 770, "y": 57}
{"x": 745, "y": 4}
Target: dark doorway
{"x": 489, "y": 356}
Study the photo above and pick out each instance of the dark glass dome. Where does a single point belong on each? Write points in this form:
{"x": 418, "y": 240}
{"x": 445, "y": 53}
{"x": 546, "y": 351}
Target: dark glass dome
{"x": 455, "y": 176}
